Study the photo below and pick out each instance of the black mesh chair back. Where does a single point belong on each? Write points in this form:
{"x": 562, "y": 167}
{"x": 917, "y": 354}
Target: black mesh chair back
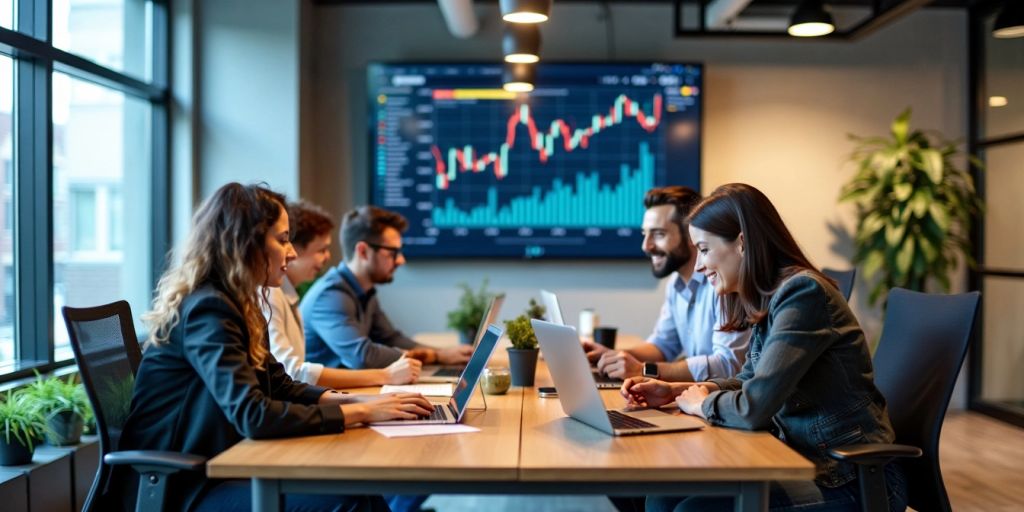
{"x": 844, "y": 278}
{"x": 107, "y": 352}
{"x": 924, "y": 341}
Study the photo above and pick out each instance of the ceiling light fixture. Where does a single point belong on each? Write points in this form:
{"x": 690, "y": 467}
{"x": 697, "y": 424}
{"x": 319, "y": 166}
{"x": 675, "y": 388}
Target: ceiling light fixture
{"x": 519, "y": 77}
{"x": 998, "y": 101}
{"x": 1010, "y": 21}
{"x": 525, "y": 11}
{"x": 521, "y": 43}
{"x": 811, "y": 20}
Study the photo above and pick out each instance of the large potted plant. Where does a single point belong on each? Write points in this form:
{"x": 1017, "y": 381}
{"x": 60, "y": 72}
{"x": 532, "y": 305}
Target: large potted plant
{"x": 522, "y": 357}
{"x": 64, "y": 405}
{"x": 914, "y": 208}
{"x": 22, "y": 427}
{"x": 466, "y": 317}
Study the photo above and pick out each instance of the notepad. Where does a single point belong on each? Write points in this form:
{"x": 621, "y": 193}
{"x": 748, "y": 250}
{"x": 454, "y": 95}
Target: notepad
{"x": 441, "y": 389}
{"x": 422, "y": 430}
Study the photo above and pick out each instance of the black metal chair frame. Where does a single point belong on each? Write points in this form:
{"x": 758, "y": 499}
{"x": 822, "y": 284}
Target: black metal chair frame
{"x": 153, "y": 466}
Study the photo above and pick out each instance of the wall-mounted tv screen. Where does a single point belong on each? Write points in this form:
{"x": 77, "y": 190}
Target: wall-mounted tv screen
{"x": 556, "y": 173}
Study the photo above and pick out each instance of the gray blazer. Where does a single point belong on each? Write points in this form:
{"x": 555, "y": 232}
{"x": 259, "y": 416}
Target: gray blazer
{"x": 345, "y": 327}
{"x": 808, "y": 378}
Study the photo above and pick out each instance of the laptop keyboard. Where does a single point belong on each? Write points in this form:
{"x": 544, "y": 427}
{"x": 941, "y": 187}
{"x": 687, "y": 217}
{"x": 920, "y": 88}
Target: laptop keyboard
{"x": 436, "y": 415}
{"x": 448, "y": 371}
{"x": 623, "y": 421}
{"x": 601, "y": 378}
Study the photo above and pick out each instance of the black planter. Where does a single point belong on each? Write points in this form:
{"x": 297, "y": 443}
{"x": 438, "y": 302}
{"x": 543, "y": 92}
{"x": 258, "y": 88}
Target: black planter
{"x": 523, "y": 364}
{"x": 65, "y": 428}
{"x": 14, "y": 453}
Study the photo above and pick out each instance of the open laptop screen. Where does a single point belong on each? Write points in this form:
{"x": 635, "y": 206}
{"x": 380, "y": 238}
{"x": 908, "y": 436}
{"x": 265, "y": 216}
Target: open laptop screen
{"x": 550, "y": 301}
{"x": 467, "y": 382}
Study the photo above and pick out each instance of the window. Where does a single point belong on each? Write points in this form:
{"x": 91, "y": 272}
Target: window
{"x": 7, "y": 311}
{"x": 84, "y": 166}
{"x": 101, "y": 146}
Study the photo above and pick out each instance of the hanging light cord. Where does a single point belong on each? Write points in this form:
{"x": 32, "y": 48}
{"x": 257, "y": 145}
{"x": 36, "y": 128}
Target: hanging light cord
{"x": 609, "y": 29}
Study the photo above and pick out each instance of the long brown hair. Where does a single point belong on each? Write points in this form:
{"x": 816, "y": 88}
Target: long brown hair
{"x": 225, "y": 247}
{"x": 770, "y": 254}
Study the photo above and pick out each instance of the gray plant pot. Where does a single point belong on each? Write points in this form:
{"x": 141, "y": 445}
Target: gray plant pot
{"x": 65, "y": 428}
{"x": 523, "y": 365}
{"x": 14, "y": 453}
{"x": 467, "y": 337}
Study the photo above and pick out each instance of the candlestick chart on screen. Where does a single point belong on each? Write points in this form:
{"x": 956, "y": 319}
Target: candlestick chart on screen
{"x": 557, "y": 173}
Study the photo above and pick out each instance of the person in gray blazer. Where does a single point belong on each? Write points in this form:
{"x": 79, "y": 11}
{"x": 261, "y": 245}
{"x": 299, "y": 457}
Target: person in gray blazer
{"x": 345, "y": 325}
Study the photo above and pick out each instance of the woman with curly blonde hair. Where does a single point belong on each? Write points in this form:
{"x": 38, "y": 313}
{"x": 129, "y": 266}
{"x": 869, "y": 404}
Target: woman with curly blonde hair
{"x": 207, "y": 379}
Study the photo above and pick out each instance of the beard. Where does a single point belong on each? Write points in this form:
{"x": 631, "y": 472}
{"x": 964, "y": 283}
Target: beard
{"x": 382, "y": 276}
{"x": 674, "y": 259}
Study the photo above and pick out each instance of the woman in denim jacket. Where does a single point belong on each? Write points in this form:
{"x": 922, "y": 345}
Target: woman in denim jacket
{"x": 808, "y": 376}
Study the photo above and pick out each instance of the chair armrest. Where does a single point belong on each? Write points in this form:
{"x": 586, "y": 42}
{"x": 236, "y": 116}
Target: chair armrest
{"x": 159, "y": 461}
{"x": 873, "y": 453}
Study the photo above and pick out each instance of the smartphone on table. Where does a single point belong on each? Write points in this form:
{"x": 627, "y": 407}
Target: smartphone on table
{"x": 547, "y": 392}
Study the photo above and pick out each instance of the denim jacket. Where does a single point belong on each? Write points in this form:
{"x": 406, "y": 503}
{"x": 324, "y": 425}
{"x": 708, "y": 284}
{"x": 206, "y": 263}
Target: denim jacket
{"x": 808, "y": 379}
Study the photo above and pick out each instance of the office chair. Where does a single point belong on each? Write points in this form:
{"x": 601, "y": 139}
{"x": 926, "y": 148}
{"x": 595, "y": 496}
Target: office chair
{"x": 844, "y": 278}
{"x": 108, "y": 356}
{"x": 924, "y": 341}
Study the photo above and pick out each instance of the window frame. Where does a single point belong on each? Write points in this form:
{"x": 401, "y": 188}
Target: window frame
{"x": 35, "y": 60}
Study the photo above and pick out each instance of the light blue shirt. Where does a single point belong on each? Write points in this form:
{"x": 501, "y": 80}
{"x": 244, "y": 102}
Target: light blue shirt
{"x": 688, "y": 327}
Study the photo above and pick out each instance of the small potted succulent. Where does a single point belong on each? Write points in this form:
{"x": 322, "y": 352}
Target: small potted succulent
{"x": 522, "y": 357}
{"x": 465, "y": 318}
{"x": 22, "y": 427}
{"x": 64, "y": 405}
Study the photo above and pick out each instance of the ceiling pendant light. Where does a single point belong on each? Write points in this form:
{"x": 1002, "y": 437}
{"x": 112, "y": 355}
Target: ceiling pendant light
{"x": 1010, "y": 21}
{"x": 525, "y": 11}
{"x": 811, "y": 20}
{"x": 521, "y": 43}
{"x": 519, "y": 77}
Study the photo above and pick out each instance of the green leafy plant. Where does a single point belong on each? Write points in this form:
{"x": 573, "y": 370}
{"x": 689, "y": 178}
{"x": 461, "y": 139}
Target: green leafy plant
{"x": 55, "y": 395}
{"x": 21, "y": 420}
{"x": 466, "y": 317}
{"x": 535, "y": 310}
{"x": 520, "y": 333}
{"x": 914, "y": 208}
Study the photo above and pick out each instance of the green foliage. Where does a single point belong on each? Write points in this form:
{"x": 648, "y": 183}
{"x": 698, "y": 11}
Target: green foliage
{"x": 471, "y": 309}
{"x": 21, "y": 419}
{"x": 914, "y": 208}
{"x": 535, "y": 310}
{"x": 55, "y": 395}
{"x": 116, "y": 397}
{"x": 520, "y": 333}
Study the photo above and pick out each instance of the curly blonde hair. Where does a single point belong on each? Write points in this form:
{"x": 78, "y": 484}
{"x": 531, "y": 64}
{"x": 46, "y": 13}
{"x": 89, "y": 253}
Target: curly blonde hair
{"x": 224, "y": 247}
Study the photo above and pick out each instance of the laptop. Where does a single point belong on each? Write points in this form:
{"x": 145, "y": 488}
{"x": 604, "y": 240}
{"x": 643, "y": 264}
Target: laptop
{"x": 452, "y": 411}
{"x": 554, "y": 312}
{"x": 450, "y": 373}
{"x": 569, "y": 369}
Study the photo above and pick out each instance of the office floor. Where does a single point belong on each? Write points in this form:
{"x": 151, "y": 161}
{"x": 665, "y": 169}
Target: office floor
{"x": 982, "y": 462}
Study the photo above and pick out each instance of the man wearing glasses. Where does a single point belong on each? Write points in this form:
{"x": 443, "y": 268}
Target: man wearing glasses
{"x": 345, "y": 325}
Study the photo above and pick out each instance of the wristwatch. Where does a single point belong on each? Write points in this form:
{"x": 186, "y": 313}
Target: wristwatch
{"x": 651, "y": 370}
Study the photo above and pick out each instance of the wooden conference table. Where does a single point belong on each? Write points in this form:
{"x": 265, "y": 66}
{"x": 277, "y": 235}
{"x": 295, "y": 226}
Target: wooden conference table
{"x": 526, "y": 445}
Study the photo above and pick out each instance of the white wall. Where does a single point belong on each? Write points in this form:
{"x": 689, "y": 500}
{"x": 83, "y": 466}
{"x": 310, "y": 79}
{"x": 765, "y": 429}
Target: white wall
{"x": 776, "y": 115}
{"x": 249, "y": 93}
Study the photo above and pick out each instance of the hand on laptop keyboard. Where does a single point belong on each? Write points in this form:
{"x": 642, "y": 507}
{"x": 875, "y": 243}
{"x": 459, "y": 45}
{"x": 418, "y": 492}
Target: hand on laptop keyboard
{"x": 394, "y": 406}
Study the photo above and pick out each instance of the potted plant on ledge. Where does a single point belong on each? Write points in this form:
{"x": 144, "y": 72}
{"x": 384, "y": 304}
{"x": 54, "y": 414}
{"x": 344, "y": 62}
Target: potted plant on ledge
{"x": 914, "y": 208}
{"x": 522, "y": 357}
{"x": 465, "y": 319}
{"x": 22, "y": 427}
{"x": 64, "y": 405}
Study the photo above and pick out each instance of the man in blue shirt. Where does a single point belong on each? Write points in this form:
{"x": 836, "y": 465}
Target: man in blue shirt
{"x": 345, "y": 325}
{"x": 686, "y": 345}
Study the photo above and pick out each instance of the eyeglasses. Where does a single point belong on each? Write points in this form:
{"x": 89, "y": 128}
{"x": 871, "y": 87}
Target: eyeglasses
{"x": 395, "y": 251}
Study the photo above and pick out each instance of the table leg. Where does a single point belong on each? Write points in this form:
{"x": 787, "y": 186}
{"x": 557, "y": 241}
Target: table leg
{"x": 266, "y": 495}
{"x": 753, "y": 497}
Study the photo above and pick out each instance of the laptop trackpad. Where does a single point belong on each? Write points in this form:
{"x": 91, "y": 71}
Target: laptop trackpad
{"x": 665, "y": 418}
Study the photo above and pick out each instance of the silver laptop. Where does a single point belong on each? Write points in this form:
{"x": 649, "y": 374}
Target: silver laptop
{"x": 452, "y": 411}
{"x": 581, "y": 401}
{"x": 554, "y": 314}
{"x": 550, "y": 301}
{"x": 450, "y": 373}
